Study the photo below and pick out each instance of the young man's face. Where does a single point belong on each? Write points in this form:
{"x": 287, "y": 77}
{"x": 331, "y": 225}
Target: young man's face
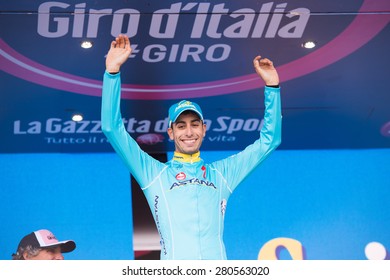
{"x": 47, "y": 254}
{"x": 187, "y": 132}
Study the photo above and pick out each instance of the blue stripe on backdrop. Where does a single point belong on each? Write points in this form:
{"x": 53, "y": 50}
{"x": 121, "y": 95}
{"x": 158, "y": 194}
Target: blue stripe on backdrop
{"x": 334, "y": 202}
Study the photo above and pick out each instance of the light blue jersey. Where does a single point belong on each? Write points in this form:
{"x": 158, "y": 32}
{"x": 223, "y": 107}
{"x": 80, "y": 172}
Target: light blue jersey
{"x": 187, "y": 196}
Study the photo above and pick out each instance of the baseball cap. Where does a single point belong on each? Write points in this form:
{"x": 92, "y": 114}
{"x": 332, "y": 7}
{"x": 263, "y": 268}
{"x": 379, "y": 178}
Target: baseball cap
{"x": 176, "y": 109}
{"x": 45, "y": 239}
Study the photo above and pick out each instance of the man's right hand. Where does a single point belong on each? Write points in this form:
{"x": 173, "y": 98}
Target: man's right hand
{"x": 119, "y": 52}
{"x": 266, "y": 70}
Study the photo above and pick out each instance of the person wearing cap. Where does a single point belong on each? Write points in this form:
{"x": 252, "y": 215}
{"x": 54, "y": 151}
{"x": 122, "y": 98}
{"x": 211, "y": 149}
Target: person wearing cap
{"x": 42, "y": 245}
{"x": 187, "y": 196}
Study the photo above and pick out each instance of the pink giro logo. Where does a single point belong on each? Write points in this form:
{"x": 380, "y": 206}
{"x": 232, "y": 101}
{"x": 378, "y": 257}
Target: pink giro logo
{"x": 357, "y": 34}
{"x": 150, "y": 139}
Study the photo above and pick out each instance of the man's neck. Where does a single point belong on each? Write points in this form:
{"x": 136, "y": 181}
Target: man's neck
{"x": 186, "y": 157}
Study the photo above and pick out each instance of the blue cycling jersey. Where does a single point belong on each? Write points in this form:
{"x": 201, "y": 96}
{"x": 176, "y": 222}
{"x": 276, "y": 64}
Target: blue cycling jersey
{"x": 187, "y": 196}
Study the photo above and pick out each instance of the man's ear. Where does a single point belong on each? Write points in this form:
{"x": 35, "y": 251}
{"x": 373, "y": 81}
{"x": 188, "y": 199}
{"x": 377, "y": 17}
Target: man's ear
{"x": 204, "y": 128}
{"x": 25, "y": 255}
{"x": 170, "y": 133}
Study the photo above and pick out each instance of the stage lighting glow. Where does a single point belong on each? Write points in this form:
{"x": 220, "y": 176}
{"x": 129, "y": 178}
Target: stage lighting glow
{"x": 77, "y": 117}
{"x": 86, "y": 44}
{"x": 309, "y": 45}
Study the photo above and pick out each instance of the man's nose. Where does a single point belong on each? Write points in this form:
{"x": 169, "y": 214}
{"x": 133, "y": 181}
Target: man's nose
{"x": 189, "y": 131}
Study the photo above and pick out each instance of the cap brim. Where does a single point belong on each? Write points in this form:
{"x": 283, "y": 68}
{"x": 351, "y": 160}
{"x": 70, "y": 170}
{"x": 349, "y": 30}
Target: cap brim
{"x": 66, "y": 246}
{"x": 188, "y": 109}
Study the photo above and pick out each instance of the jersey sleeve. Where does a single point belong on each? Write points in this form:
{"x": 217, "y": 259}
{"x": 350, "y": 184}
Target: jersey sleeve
{"x": 235, "y": 168}
{"x": 142, "y": 166}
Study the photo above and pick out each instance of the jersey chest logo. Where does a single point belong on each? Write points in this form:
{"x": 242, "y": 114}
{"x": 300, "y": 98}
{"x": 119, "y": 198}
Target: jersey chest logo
{"x": 194, "y": 182}
{"x": 180, "y": 176}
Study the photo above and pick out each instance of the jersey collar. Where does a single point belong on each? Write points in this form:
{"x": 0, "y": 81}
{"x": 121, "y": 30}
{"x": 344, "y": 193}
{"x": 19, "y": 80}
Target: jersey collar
{"x": 186, "y": 158}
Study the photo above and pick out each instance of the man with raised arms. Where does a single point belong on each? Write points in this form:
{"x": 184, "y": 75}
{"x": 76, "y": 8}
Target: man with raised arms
{"x": 187, "y": 196}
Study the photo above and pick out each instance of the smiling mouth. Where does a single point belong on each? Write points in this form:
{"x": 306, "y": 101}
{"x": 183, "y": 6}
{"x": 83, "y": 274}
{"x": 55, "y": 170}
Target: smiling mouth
{"x": 189, "y": 141}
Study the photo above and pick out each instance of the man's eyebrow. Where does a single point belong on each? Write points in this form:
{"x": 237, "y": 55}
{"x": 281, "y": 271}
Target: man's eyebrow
{"x": 50, "y": 249}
